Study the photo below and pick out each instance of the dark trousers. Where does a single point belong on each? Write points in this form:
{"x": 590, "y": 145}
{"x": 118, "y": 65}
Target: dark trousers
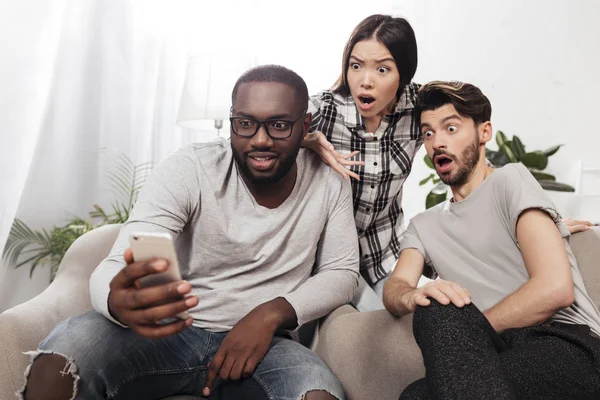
{"x": 466, "y": 359}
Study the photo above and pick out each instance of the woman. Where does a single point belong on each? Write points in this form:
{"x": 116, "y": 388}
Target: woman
{"x": 369, "y": 114}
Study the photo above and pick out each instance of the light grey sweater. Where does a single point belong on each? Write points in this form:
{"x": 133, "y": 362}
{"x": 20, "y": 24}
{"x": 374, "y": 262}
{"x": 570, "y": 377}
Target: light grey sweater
{"x": 237, "y": 254}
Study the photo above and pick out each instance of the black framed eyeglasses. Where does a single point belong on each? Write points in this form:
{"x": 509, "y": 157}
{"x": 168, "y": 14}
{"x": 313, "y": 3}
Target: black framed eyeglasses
{"x": 277, "y": 129}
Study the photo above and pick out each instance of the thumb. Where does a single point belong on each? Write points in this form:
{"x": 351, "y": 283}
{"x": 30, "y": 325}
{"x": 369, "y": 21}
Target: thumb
{"x": 128, "y": 256}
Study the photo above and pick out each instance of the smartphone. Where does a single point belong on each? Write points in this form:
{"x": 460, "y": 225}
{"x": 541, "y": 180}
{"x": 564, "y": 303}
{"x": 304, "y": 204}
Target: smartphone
{"x": 148, "y": 245}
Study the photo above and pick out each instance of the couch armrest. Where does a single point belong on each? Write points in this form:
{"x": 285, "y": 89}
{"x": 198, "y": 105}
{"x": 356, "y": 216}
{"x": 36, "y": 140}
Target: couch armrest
{"x": 24, "y": 326}
{"x": 586, "y": 248}
{"x": 374, "y": 354}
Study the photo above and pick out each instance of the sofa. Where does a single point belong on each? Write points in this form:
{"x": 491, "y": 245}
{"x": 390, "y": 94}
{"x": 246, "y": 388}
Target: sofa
{"x": 373, "y": 353}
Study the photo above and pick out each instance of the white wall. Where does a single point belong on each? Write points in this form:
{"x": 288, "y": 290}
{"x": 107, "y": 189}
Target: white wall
{"x": 537, "y": 61}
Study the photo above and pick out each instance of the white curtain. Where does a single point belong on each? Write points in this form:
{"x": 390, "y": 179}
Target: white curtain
{"x": 80, "y": 75}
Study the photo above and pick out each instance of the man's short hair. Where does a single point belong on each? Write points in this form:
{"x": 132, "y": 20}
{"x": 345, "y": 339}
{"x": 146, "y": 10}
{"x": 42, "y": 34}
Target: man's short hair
{"x": 467, "y": 99}
{"x": 274, "y": 73}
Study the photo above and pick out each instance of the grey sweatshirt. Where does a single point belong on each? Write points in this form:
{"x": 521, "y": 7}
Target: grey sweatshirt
{"x": 237, "y": 254}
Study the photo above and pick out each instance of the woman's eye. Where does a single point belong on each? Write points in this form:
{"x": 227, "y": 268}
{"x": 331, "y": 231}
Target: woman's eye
{"x": 354, "y": 66}
{"x": 245, "y": 123}
{"x": 383, "y": 69}
{"x": 452, "y": 128}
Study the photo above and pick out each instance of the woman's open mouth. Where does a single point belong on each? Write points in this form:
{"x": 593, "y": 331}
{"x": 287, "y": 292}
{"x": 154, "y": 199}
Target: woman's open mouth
{"x": 365, "y": 102}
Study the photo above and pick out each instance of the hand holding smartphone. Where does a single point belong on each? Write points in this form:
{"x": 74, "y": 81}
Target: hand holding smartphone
{"x": 146, "y": 246}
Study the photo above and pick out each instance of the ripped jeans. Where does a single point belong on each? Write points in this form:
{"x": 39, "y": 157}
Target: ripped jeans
{"x": 111, "y": 362}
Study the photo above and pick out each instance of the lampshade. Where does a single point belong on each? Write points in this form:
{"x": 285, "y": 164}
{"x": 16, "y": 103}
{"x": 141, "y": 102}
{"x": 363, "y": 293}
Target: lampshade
{"x": 208, "y": 85}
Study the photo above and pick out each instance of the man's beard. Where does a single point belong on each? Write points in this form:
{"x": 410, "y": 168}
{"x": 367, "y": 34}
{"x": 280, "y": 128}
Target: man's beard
{"x": 285, "y": 165}
{"x": 468, "y": 160}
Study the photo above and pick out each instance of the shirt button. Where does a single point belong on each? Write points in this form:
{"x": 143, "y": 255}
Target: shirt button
{"x": 372, "y": 186}
{"x": 368, "y": 210}
{"x": 375, "y": 163}
{"x": 366, "y": 256}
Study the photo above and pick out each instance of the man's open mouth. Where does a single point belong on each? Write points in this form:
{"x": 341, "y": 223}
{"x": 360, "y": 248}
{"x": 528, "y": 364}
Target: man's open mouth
{"x": 262, "y": 161}
{"x": 443, "y": 162}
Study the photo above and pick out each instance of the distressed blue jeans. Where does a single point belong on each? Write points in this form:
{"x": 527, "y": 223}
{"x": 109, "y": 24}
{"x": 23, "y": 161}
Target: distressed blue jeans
{"x": 111, "y": 362}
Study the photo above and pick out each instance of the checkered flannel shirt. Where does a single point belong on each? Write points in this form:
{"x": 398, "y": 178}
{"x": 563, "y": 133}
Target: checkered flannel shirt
{"x": 388, "y": 154}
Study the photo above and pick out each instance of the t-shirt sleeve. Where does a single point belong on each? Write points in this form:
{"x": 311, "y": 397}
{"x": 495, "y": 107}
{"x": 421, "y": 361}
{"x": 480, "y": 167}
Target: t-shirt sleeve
{"x": 523, "y": 192}
{"x": 410, "y": 240}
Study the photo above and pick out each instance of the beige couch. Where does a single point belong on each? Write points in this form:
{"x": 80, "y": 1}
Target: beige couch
{"x": 373, "y": 354}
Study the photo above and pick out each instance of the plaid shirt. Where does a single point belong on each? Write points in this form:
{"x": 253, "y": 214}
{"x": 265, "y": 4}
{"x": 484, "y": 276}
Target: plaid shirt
{"x": 388, "y": 155}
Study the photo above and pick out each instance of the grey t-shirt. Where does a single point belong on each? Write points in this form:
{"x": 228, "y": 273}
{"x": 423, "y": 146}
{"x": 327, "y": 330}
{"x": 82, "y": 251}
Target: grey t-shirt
{"x": 474, "y": 242}
{"x": 237, "y": 254}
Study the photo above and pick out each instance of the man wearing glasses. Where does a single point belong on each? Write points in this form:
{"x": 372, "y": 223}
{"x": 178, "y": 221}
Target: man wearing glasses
{"x": 266, "y": 242}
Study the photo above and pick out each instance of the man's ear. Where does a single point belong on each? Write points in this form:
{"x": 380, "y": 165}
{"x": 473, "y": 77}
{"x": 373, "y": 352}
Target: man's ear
{"x": 306, "y": 124}
{"x": 485, "y": 132}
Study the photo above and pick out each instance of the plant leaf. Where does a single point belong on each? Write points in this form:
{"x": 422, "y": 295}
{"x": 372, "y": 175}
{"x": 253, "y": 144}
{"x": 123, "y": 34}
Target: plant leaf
{"x": 424, "y": 181}
{"x": 428, "y": 162}
{"x": 506, "y": 149}
{"x": 434, "y": 199}
{"x": 542, "y": 176}
{"x": 517, "y": 147}
{"x": 497, "y": 158}
{"x": 120, "y": 185}
{"x": 536, "y": 160}
{"x": 500, "y": 139}
{"x": 555, "y": 186}
{"x": 552, "y": 150}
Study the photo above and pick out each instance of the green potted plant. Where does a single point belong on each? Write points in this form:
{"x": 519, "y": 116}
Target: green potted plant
{"x": 26, "y": 246}
{"x": 509, "y": 151}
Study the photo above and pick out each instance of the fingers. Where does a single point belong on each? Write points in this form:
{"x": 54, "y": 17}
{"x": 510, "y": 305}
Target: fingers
{"x": 249, "y": 368}
{"x": 353, "y": 175}
{"x": 237, "y": 369}
{"x": 213, "y": 369}
{"x": 422, "y": 300}
{"x": 226, "y": 367}
{"x": 438, "y": 295}
{"x": 161, "y": 331}
{"x": 155, "y": 314}
{"x": 569, "y": 221}
{"x": 128, "y": 256}
{"x": 341, "y": 170}
{"x": 577, "y": 228}
{"x": 141, "y": 298}
{"x": 134, "y": 271}
{"x": 350, "y": 163}
{"x": 344, "y": 159}
{"x": 448, "y": 292}
{"x": 458, "y": 295}
{"x": 322, "y": 139}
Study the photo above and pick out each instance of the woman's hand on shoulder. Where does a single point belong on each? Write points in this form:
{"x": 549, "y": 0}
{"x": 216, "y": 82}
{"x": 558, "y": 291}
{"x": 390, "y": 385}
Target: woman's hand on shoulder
{"x": 317, "y": 142}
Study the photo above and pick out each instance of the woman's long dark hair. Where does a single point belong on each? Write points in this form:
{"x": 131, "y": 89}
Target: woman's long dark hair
{"x": 396, "y": 35}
